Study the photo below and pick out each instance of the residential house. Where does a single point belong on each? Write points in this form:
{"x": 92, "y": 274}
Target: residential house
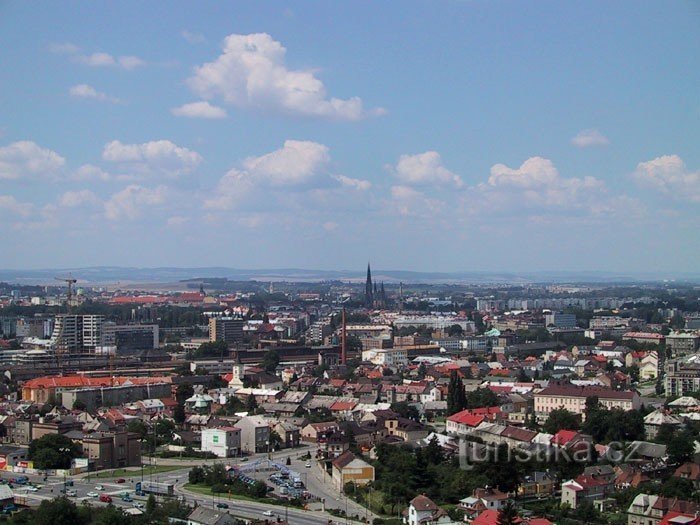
{"x": 423, "y": 511}
{"x": 225, "y": 442}
{"x": 255, "y": 434}
{"x": 584, "y": 489}
{"x": 690, "y": 471}
{"x": 348, "y": 468}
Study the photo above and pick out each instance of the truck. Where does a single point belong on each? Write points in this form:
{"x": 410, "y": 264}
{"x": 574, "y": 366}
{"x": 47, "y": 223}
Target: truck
{"x": 155, "y": 487}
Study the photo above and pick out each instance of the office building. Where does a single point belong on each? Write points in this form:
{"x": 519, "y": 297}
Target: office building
{"x": 227, "y": 329}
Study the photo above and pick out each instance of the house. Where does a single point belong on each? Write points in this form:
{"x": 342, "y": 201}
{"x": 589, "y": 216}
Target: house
{"x": 482, "y": 499}
{"x": 204, "y": 516}
{"x": 255, "y": 434}
{"x": 654, "y": 420}
{"x": 584, "y": 488}
{"x": 225, "y": 442}
{"x": 288, "y": 433}
{"x": 537, "y": 484}
{"x": 490, "y": 517}
{"x": 649, "y": 509}
{"x": 690, "y": 471}
{"x": 573, "y": 398}
{"x": 423, "y": 511}
{"x": 348, "y": 468}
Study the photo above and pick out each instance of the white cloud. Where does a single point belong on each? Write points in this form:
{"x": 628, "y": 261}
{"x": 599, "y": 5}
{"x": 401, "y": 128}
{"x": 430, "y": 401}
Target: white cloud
{"x": 590, "y": 137}
{"x": 251, "y": 73}
{"x": 12, "y": 206}
{"x": 63, "y": 48}
{"x": 535, "y": 171}
{"x": 201, "y": 109}
{"x": 408, "y": 201}
{"x": 192, "y": 38}
{"x": 357, "y": 184}
{"x": 131, "y": 62}
{"x": 297, "y": 162}
{"x": 159, "y": 156}
{"x": 176, "y": 221}
{"x": 130, "y": 202}
{"x": 87, "y": 91}
{"x": 425, "y": 168}
{"x": 74, "y": 199}
{"x": 25, "y": 159}
{"x": 669, "y": 174}
{"x": 89, "y": 172}
{"x": 107, "y": 60}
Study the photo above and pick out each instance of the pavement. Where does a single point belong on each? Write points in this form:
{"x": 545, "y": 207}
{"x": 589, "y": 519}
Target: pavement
{"x": 314, "y": 480}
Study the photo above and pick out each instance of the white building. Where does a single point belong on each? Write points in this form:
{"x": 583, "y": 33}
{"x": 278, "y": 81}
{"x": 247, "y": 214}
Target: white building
{"x": 225, "y": 442}
{"x": 386, "y": 356}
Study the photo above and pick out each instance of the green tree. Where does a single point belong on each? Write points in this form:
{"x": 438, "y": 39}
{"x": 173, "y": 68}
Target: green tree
{"x": 681, "y": 447}
{"x": 179, "y": 414}
{"x": 677, "y": 488}
{"x": 456, "y": 397}
{"x": 79, "y": 405}
{"x": 251, "y": 404}
{"x": 455, "y": 330}
{"x": 271, "y": 360}
{"x": 560, "y": 419}
{"x": 508, "y": 515}
{"x": 58, "y": 510}
{"x": 53, "y": 451}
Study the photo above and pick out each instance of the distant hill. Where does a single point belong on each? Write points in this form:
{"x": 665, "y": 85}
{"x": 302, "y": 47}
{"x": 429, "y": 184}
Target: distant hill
{"x": 114, "y": 274}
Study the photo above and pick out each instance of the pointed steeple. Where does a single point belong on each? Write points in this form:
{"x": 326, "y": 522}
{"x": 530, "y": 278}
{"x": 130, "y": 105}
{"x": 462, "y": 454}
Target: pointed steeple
{"x": 369, "y": 292}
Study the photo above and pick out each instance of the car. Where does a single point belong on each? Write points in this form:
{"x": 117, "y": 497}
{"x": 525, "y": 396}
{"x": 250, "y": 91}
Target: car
{"x": 106, "y": 498}
{"x": 244, "y": 459}
{"x": 128, "y": 499}
{"x": 92, "y": 494}
{"x": 72, "y": 493}
{"x": 222, "y": 505}
{"x": 138, "y": 505}
{"x": 308, "y": 464}
{"x": 121, "y": 480}
{"x": 31, "y": 488}
{"x": 99, "y": 487}
{"x": 268, "y": 513}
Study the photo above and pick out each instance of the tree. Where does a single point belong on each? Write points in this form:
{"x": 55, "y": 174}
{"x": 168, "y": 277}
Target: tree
{"x": 183, "y": 392}
{"x": 151, "y": 505}
{"x": 53, "y": 451}
{"x": 196, "y": 475}
{"x": 271, "y": 359}
{"x": 456, "y": 397}
{"x": 481, "y": 397}
{"x": 406, "y": 410}
{"x": 681, "y": 447}
{"x": 455, "y": 330}
{"x": 79, "y": 405}
{"x": 508, "y": 515}
{"x": 677, "y": 488}
{"x": 560, "y": 419}
{"x": 58, "y": 510}
{"x": 179, "y": 414}
{"x": 251, "y": 404}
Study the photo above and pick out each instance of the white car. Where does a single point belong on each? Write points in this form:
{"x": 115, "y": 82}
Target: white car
{"x": 30, "y": 488}
{"x": 72, "y": 493}
{"x": 268, "y": 513}
{"x": 99, "y": 487}
{"x": 93, "y": 494}
{"x": 138, "y": 505}
{"x": 308, "y": 464}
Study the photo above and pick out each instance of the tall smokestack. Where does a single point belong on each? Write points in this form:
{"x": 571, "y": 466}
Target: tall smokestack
{"x": 343, "y": 341}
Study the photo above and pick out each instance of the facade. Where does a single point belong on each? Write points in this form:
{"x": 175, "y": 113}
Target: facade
{"x": 130, "y": 338}
{"x": 77, "y": 333}
{"x": 112, "y": 449}
{"x": 682, "y": 343}
{"x": 559, "y": 320}
{"x": 386, "y": 356}
{"x": 682, "y": 378}
{"x": 348, "y": 468}
{"x": 573, "y": 399}
{"x": 227, "y": 329}
{"x": 255, "y": 435}
{"x": 225, "y": 442}
{"x": 97, "y": 397}
{"x": 423, "y": 511}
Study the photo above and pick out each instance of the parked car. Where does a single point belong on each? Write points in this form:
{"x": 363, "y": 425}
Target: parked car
{"x": 138, "y": 505}
{"x": 268, "y": 513}
{"x": 121, "y": 480}
{"x": 72, "y": 493}
{"x": 31, "y": 488}
{"x": 106, "y": 498}
{"x": 308, "y": 464}
{"x": 222, "y": 505}
{"x": 99, "y": 487}
{"x": 92, "y": 494}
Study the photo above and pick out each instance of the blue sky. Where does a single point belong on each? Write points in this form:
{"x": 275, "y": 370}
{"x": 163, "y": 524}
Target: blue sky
{"x": 439, "y": 136}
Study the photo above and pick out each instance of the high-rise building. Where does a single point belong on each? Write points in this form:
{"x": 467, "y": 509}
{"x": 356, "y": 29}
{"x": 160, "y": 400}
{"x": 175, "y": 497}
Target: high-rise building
{"x": 227, "y": 329}
{"x": 131, "y": 337}
{"x": 77, "y": 333}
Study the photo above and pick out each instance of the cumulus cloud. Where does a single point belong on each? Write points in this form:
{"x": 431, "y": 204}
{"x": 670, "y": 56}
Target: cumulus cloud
{"x": 89, "y": 172}
{"x": 536, "y": 183}
{"x": 11, "y": 206}
{"x": 357, "y": 184}
{"x": 297, "y": 162}
{"x": 130, "y": 202}
{"x": 201, "y": 109}
{"x": 669, "y": 174}
{"x": 97, "y": 59}
{"x": 74, "y": 199}
{"x": 589, "y": 137}
{"x": 425, "y": 169}
{"x": 26, "y": 159}
{"x": 251, "y": 73}
{"x": 408, "y": 201}
{"x": 159, "y": 157}
{"x": 87, "y": 91}
{"x": 176, "y": 221}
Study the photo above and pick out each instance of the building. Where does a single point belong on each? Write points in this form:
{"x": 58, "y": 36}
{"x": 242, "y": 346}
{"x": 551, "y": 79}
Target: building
{"x": 348, "y": 468}
{"x": 111, "y": 449}
{"x": 681, "y": 343}
{"x": 393, "y": 357}
{"x": 423, "y": 511}
{"x": 682, "y": 377}
{"x": 650, "y": 509}
{"x": 654, "y": 420}
{"x": 559, "y": 320}
{"x": 644, "y": 337}
{"x": 584, "y": 489}
{"x": 255, "y": 435}
{"x": 204, "y": 516}
{"x": 227, "y": 329}
{"x": 225, "y": 442}
{"x": 130, "y": 338}
{"x": 96, "y": 397}
{"x": 573, "y": 398}
{"x": 77, "y": 333}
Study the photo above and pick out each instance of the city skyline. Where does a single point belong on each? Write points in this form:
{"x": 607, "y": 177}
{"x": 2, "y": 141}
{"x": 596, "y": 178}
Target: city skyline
{"x": 463, "y": 137}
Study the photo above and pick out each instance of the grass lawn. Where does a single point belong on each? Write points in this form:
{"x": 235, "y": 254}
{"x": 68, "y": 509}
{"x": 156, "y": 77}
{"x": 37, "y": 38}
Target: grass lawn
{"x": 133, "y": 471}
{"x": 203, "y": 489}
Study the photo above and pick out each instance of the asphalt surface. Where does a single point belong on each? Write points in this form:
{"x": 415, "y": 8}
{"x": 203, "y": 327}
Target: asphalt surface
{"x": 312, "y": 477}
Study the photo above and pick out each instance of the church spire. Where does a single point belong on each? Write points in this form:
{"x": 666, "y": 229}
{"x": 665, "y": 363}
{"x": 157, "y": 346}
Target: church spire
{"x": 369, "y": 292}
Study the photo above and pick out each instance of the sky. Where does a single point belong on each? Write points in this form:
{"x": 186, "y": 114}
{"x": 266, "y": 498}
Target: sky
{"x": 427, "y": 136}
